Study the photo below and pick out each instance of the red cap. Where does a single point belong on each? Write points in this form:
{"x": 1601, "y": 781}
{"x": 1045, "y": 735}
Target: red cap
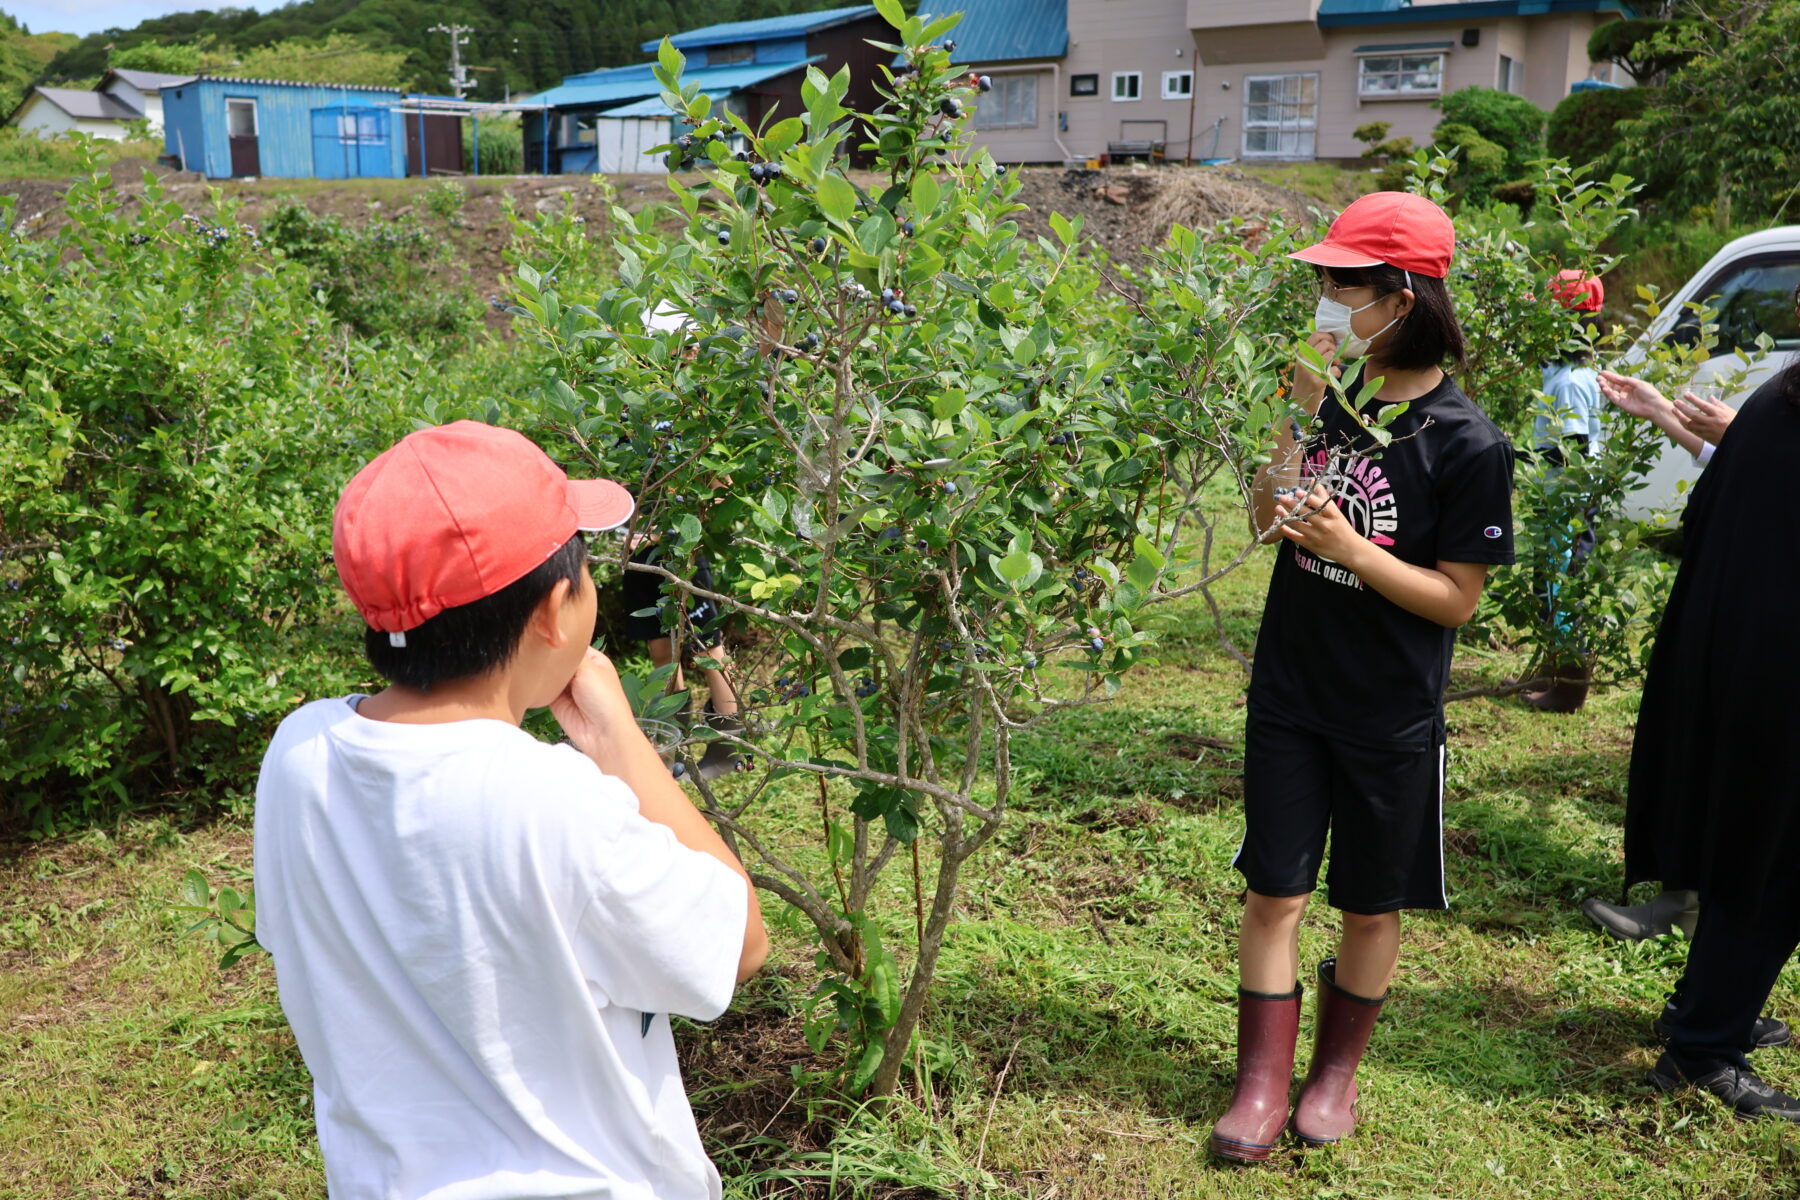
{"x": 1578, "y": 290}
{"x": 1396, "y": 228}
{"x": 451, "y": 514}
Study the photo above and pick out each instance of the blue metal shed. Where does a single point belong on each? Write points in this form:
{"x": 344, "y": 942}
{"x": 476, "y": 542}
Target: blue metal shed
{"x": 266, "y": 127}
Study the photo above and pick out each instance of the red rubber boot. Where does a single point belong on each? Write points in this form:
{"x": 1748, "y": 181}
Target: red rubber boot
{"x": 1268, "y": 1026}
{"x": 1326, "y": 1111}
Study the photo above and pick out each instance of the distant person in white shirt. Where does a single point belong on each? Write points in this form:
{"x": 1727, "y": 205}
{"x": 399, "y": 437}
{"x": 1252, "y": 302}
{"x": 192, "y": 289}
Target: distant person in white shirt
{"x": 477, "y": 935}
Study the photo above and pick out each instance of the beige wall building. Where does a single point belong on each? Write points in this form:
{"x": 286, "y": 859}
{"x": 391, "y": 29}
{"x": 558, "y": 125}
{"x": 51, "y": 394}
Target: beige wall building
{"x": 1255, "y": 79}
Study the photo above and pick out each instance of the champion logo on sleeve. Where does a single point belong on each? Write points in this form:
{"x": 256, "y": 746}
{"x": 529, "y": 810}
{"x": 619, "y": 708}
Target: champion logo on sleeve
{"x": 1492, "y": 531}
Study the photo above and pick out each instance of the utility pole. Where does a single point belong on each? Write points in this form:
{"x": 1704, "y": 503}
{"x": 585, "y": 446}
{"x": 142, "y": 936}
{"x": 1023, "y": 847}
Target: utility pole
{"x": 459, "y": 79}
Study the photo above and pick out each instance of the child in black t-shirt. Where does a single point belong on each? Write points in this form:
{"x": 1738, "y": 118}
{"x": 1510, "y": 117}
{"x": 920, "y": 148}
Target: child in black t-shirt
{"x": 1383, "y": 554}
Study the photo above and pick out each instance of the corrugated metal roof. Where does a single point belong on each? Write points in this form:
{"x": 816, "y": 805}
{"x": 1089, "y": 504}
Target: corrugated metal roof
{"x": 635, "y": 82}
{"x": 792, "y": 25}
{"x": 342, "y": 87}
{"x": 994, "y": 31}
{"x": 143, "y": 81}
{"x": 86, "y": 105}
{"x": 1394, "y": 12}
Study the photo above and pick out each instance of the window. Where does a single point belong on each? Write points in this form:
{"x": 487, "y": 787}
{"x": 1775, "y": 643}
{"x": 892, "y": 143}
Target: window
{"x": 240, "y": 118}
{"x": 1281, "y": 115}
{"x": 1400, "y": 76}
{"x": 737, "y": 52}
{"x": 1127, "y": 85}
{"x": 1755, "y": 297}
{"x": 361, "y": 126}
{"x": 1512, "y": 75}
{"x": 1177, "y": 85}
{"x": 1084, "y": 85}
{"x": 1011, "y": 105}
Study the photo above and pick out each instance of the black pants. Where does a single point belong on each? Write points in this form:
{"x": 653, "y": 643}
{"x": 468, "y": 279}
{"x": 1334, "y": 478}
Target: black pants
{"x": 1737, "y": 953}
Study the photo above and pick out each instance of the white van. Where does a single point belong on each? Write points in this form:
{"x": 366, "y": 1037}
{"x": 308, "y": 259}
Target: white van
{"x": 1751, "y": 282}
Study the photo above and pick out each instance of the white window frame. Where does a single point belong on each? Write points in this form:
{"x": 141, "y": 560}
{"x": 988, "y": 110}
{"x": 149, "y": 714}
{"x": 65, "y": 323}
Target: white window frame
{"x": 1399, "y": 72}
{"x": 1137, "y": 86}
{"x": 255, "y": 128}
{"x": 1510, "y": 75}
{"x": 993, "y": 103}
{"x": 1297, "y": 126}
{"x": 1171, "y": 77}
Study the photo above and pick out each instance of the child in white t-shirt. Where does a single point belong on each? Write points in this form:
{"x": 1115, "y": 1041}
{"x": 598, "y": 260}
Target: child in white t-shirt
{"x": 475, "y": 933}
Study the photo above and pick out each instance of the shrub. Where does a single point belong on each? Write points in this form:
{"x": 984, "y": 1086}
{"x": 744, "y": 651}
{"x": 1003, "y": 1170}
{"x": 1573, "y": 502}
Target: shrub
{"x": 1513, "y": 123}
{"x": 1642, "y": 46}
{"x": 176, "y": 414}
{"x": 502, "y": 150}
{"x": 954, "y": 483}
{"x": 379, "y": 278}
{"x": 1480, "y": 164}
{"x": 1583, "y": 126}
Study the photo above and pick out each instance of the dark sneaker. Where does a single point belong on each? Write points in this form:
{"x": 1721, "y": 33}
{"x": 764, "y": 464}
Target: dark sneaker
{"x": 1653, "y": 918}
{"x": 1767, "y": 1033}
{"x": 1737, "y": 1086}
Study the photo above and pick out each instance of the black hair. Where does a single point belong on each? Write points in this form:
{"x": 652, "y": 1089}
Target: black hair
{"x": 1429, "y": 335}
{"x": 473, "y": 639}
{"x": 1580, "y": 352}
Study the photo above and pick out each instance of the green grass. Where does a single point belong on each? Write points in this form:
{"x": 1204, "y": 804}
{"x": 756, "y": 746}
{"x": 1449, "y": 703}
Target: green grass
{"x": 27, "y": 156}
{"x": 1331, "y": 185}
{"x": 1080, "y": 1043}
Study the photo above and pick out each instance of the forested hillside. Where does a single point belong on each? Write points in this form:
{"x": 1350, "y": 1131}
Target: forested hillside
{"x": 521, "y": 44}
{"x": 23, "y": 57}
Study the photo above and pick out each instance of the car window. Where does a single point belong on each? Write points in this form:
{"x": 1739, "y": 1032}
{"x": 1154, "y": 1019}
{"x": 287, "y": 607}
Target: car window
{"x": 1754, "y": 297}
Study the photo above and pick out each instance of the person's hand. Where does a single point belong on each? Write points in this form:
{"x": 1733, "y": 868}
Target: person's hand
{"x": 1322, "y": 528}
{"x": 1309, "y": 387}
{"x": 593, "y": 709}
{"x": 1706, "y": 419}
{"x": 1636, "y": 397}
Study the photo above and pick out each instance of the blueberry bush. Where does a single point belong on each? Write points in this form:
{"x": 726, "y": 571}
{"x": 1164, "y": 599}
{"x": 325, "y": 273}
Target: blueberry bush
{"x": 177, "y": 412}
{"x": 942, "y": 488}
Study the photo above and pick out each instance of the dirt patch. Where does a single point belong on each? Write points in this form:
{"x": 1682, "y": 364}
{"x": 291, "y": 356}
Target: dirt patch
{"x": 1193, "y": 746}
{"x": 1225, "y": 790}
{"x": 1123, "y": 816}
{"x": 1464, "y": 843}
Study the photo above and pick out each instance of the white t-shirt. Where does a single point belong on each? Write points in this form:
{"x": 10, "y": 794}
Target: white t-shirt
{"x": 470, "y": 929}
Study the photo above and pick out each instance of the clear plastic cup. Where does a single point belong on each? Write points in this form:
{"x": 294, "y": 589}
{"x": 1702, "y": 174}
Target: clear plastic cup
{"x": 665, "y": 736}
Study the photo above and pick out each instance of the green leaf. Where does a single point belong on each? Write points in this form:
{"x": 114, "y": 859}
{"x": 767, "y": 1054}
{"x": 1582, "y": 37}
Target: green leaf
{"x": 1013, "y": 567}
{"x": 925, "y": 195}
{"x": 891, "y": 12}
{"x": 669, "y": 58}
{"x": 837, "y": 200}
{"x": 195, "y": 891}
{"x": 1141, "y": 547}
{"x": 782, "y": 137}
{"x": 866, "y": 1067}
{"x": 688, "y": 525}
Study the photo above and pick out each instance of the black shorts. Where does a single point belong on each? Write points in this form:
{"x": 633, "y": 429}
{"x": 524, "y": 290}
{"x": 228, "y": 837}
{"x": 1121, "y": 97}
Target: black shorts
{"x": 1383, "y": 808}
{"x": 647, "y": 600}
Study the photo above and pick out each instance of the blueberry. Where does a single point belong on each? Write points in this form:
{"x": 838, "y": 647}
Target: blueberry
{"x": 1029, "y": 660}
{"x": 949, "y": 47}
{"x": 999, "y": 168}
{"x": 906, "y": 227}
{"x": 887, "y": 295}
{"x": 810, "y": 342}
{"x": 818, "y": 245}
{"x": 663, "y": 426}
{"x": 724, "y": 237}
{"x": 791, "y": 296}
{"x": 106, "y": 339}
{"x": 951, "y": 107}
{"x": 910, "y": 311}
{"x": 983, "y": 83}
{"x": 1096, "y": 643}
{"x": 772, "y": 170}
{"x": 949, "y": 486}
{"x": 686, "y": 143}
{"x": 1107, "y": 380}
{"x": 897, "y": 308}
{"x": 890, "y": 534}
{"x": 756, "y": 172}
{"x": 743, "y": 156}
{"x": 866, "y": 687}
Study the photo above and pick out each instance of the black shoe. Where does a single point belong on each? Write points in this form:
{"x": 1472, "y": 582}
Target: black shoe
{"x": 1653, "y": 918}
{"x": 722, "y": 757}
{"x": 1768, "y": 1032}
{"x": 1737, "y": 1086}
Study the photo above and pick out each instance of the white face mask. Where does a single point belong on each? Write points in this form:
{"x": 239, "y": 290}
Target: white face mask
{"x": 1333, "y": 316}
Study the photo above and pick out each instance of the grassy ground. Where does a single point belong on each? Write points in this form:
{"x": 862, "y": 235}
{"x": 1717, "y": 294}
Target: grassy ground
{"x": 1081, "y": 1040}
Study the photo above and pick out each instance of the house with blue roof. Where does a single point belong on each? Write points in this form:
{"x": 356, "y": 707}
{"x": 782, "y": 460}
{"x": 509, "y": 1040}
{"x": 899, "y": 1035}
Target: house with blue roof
{"x": 607, "y": 120}
{"x": 1190, "y": 80}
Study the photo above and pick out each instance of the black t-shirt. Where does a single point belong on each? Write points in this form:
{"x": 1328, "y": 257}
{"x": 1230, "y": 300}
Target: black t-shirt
{"x": 1334, "y": 654}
